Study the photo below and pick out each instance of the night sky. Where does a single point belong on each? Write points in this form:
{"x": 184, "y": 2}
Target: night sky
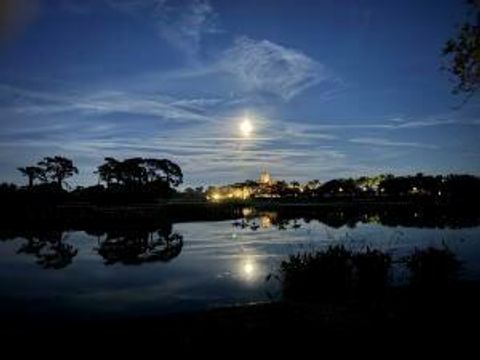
{"x": 331, "y": 88}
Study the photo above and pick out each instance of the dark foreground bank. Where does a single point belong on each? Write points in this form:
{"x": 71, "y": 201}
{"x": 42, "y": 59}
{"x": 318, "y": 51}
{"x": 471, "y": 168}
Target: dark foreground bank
{"x": 403, "y": 319}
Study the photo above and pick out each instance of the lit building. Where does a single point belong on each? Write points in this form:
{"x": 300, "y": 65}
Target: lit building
{"x": 243, "y": 191}
{"x": 265, "y": 178}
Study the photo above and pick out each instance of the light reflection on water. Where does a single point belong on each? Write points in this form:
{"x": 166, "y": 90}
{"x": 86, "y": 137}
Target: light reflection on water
{"x": 188, "y": 265}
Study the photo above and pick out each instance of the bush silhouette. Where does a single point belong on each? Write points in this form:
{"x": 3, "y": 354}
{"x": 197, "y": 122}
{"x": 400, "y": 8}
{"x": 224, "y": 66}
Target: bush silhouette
{"x": 432, "y": 268}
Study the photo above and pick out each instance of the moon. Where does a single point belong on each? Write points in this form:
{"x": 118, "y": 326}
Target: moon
{"x": 246, "y": 127}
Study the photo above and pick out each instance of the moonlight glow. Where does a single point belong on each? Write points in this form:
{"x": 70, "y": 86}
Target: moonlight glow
{"x": 248, "y": 269}
{"x": 246, "y": 127}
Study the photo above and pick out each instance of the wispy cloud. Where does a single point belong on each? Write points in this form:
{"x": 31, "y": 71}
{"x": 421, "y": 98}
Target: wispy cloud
{"x": 397, "y": 123}
{"x": 208, "y": 153}
{"x": 30, "y": 102}
{"x": 271, "y": 68}
{"x": 255, "y": 66}
{"x": 182, "y": 23}
{"x": 386, "y": 142}
{"x": 306, "y": 131}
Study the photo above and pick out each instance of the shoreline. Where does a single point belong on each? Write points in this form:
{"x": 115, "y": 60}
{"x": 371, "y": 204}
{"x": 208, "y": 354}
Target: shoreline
{"x": 333, "y": 213}
{"x": 441, "y": 316}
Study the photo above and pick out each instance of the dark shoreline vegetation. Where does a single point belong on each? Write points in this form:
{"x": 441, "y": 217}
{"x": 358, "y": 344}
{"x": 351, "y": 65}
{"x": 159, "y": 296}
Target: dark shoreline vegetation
{"x": 144, "y": 190}
{"x": 334, "y": 214}
{"x": 339, "y": 274}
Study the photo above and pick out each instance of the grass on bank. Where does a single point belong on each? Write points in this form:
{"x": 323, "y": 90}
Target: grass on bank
{"x": 338, "y": 273}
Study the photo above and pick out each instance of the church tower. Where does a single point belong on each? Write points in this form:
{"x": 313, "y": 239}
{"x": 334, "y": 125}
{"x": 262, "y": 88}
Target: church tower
{"x": 265, "y": 178}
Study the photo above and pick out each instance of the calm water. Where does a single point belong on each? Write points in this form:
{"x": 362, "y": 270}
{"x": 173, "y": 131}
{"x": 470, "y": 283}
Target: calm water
{"x": 186, "y": 266}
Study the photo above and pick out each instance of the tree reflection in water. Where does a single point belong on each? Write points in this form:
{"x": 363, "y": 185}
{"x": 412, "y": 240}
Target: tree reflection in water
{"x": 153, "y": 240}
{"x": 134, "y": 247}
{"x": 126, "y": 246}
{"x": 50, "y": 249}
{"x": 418, "y": 216}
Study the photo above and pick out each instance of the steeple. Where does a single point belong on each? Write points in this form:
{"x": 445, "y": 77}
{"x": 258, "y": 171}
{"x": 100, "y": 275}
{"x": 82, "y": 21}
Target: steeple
{"x": 265, "y": 177}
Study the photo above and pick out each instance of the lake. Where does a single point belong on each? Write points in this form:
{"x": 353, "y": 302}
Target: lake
{"x": 187, "y": 266}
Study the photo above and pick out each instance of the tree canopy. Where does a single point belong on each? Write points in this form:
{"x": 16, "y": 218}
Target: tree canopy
{"x": 58, "y": 168}
{"x": 33, "y": 173}
{"x": 55, "y": 169}
{"x": 463, "y": 53}
{"x": 139, "y": 171}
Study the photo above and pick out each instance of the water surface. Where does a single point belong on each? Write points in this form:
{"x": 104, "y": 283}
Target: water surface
{"x": 189, "y": 265}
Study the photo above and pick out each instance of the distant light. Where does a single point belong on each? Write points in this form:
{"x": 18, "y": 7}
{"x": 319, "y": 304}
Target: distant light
{"x": 246, "y": 127}
{"x": 265, "y": 222}
{"x": 247, "y": 211}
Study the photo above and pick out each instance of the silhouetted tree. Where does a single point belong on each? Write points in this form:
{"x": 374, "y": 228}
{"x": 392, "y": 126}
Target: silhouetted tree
{"x": 313, "y": 184}
{"x": 294, "y": 184}
{"x": 197, "y": 193}
{"x": 462, "y": 187}
{"x": 133, "y": 171}
{"x": 165, "y": 170}
{"x": 338, "y": 187}
{"x": 139, "y": 171}
{"x": 58, "y": 169}
{"x": 281, "y": 189}
{"x": 33, "y": 173}
{"x": 108, "y": 171}
{"x": 432, "y": 268}
{"x": 172, "y": 172}
{"x": 463, "y": 52}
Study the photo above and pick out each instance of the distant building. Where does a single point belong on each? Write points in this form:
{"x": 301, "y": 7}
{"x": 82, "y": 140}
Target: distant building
{"x": 265, "y": 178}
{"x": 259, "y": 189}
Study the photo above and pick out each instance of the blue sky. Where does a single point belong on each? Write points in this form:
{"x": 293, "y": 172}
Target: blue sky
{"x": 333, "y": 88}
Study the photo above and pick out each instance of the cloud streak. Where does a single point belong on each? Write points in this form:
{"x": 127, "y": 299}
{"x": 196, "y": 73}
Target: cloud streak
{"x": 182, "y": 23}
{"x": 396, "y": 124}
{"x": 256, "y": 66}
{"x": 389, "y": 143}
{"x": 271, "y": 68}
{"x": 30, "y": 103}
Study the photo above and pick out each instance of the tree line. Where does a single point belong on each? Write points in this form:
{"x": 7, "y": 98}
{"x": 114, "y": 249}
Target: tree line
{"x": 148, "y": 179}
{"x": 129, "y": 172}
{"x": 385, "y": 186}
{"x": 51, "y": 169}
{"x": 128, "y": 180}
